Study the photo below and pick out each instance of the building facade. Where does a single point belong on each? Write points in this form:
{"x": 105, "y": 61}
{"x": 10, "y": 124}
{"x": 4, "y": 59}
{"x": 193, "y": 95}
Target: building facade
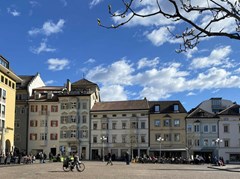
{"x": 24, "y": 91}
{"x": 203, "y": 128}
{"x": 119, "y": 127}
{"x": 7, "y": 106}
{"x": 167, "y": 129}
{"x": 229, "y": 134}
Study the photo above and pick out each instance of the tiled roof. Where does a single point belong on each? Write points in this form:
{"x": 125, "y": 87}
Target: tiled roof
{"x": 120, "y": 105}
{"x": 232, "y": 110}
{"x": 84, "y": 83}
{"x": 166, "y": 106}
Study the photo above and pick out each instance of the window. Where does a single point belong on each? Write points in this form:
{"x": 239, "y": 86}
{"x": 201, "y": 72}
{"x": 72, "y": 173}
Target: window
{"x": 73, "y": 133}
{"x": 176, "y": 123}
{"x": 84, "y": 119}
{"x": 34, "y": 108}
{"x": 54, "y": 108}
{"x": 196, "y": 142}
{"x": 64, "y": 119}
{"x": 205, "y": 128}
{"x": 143, "y": 139}
{"x": 64, "y": 106}
{"x": 114, "y": 139}
{"x": 143, "y": 125}
{"x": 189, "y": 128}
{"x": 73, "y": 119}
{"x": 124, "y": 138}
{"x": 196, "y": 128}
{"x": 157, "y": 122}
{"x": 167, "y": 137}
{"x": 43, "y": 136}
{"x": 22, "y": 110}
{"x": 114, "y": 115}
{"x": 94, "y": 139}
{"x": 2, "y": 79}
{"x": 114, "y": 124}
{"x": 166, "y": 123}
{"x": 176, "y": 137}
{"x": 156, "y": 108}
{"x": 33, "y": 136}
{"x": 95, "y": 126}
{"x": 190, "y": 143}
{"x": 43, "y": 123}
{"x": 214, "y": 128}
{"x": 205, "y": 142}
{"x": 33, "y": 123}
{"x": 73, "y": 105}
{"x": 226, "y": 143}
{"x": 84, "y": 133}
{"x": 17, "y": 137}
{"x": 134, "y": 125}
{"x": 124, "y": 125}
{"x": 17, "y": 123}
{"x": 175, "y": 107}
{"x": 53, "y": 136}
{"x": 225, "y": 129}
{"x": 84, "y": 105}
{"x": 3, "y": 110}
{"x": 54, "y": 123}
{"x": 104, "y": 126}
{"x": 63, "y": 134}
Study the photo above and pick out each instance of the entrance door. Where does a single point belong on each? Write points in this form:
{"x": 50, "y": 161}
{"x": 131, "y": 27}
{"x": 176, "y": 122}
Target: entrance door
{"x": 54, "y": 151}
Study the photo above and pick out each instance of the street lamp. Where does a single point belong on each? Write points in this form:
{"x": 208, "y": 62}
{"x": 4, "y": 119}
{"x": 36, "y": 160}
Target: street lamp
{"x": 160, "y": 139}
{"x": 103, "y": 138}
{"x": 218, "y": 141}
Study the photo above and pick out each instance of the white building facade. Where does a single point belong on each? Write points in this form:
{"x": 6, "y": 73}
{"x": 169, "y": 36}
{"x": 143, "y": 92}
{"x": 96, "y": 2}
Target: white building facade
{"x": 119, "y": 127}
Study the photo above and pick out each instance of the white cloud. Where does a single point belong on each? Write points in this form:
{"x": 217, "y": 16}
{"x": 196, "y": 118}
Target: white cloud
{"x": 218, "y": 56}
{"x": 90, "y": 60}
{"x": 49, "y": 82}
{"x": 117, "y": 73}
{"x": 33, "y": 3}
{"x": 94, "y": 3}
{"x": 42, "y": 48}
{"x": 56, "y": 64}
{"x": 162, "y": 35}
{"x": 14, "y": 12}
{"x": 191, "y": 94}
{"x": 144, "y": 62}
{"x": 163, "y": 80}
{"x": 190, "y": 52}
{"x": 48, "y": 28}
{"x": 113, "y": 93}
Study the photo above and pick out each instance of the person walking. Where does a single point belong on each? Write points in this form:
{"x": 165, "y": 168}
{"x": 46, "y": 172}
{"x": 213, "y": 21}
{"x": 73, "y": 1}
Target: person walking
{"x": 109, "y": 159}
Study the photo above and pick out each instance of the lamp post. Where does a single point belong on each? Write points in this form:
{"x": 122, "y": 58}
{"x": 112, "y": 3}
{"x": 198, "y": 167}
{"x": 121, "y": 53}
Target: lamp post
{"x": 218, "y": 141}
{"x": 103, "y": 138}
{"x": 160, "y": 139}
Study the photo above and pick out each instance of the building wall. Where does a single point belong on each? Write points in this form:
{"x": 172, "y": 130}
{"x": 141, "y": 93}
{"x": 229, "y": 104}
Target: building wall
{"x": 8, "y": 134}
{"x": 115, "y": 143}
{"x": 230, "y": 152}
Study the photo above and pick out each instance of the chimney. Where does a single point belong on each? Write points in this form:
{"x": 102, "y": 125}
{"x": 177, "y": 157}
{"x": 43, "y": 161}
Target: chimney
{"x": 68, "y": 85}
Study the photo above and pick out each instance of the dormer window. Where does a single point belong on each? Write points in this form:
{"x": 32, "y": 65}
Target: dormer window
{"x": 176, "y": 108}
{"x": 157, "y": 109}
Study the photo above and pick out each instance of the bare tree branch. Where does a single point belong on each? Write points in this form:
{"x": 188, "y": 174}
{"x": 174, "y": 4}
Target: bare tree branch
{"x": 219, "y": 10}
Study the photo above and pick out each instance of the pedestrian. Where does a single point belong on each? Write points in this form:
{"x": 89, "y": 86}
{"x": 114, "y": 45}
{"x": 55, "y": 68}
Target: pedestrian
{"x": 127, "y": 158}
{"x": 109, "y": 159}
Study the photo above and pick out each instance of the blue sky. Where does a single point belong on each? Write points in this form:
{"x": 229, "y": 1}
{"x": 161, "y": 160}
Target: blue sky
{"x": 61, "y": 40}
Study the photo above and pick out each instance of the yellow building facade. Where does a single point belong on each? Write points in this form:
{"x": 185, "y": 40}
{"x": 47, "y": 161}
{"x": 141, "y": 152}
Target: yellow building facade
{"x": 7, "y": 106}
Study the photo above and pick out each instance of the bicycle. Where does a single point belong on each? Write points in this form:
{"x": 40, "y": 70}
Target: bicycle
{"x": 68, "y": 165}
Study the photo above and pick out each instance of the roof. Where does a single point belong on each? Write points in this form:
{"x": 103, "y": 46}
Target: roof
{"x": 200, "y": 113}
{"x": 231, "y": 110}
{"x": 84, "y": 83}
{"x": 121, "y": 105}
{"x": 166, "y": 106}
{"x": 49, "y": 88}
{"x": 26, "y": 79}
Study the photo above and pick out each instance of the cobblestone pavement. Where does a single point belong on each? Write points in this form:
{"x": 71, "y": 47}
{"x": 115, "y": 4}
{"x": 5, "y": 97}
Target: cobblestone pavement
{"x": 119, "y": 170}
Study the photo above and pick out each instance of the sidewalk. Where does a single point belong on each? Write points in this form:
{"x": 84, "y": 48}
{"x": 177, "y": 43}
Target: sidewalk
{"x": 228, "y": 167}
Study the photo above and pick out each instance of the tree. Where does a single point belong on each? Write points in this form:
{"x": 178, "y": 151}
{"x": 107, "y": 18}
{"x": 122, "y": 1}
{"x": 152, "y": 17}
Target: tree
{"x": 203, "y": 19}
